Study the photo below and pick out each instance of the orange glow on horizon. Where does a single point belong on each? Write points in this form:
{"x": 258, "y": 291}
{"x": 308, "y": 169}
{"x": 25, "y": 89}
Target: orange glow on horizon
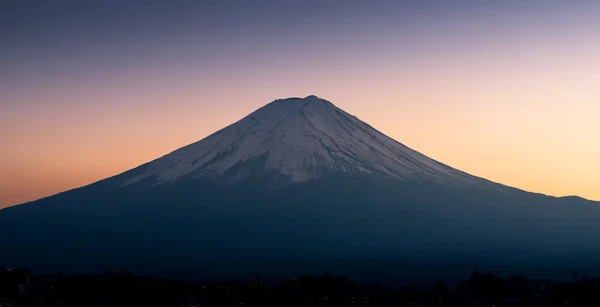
{"x": 551, "y": 151}
{"x": 516, "y": 116}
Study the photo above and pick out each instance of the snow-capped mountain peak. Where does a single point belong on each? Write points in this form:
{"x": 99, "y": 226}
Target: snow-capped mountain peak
{"x": 297, "y": 139}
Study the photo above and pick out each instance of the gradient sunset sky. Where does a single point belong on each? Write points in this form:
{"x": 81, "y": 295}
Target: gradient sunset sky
{"x": 508, "y": 90}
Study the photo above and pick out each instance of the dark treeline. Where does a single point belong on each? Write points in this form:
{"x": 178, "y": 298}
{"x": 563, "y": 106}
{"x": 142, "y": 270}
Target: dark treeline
{"x": 18, "y": 288}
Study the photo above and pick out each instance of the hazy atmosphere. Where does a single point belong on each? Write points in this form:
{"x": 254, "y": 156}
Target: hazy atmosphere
{"x": 506, "y": 90}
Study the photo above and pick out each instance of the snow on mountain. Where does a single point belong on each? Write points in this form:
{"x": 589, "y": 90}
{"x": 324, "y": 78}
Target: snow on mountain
{"x": 300, "y": 139}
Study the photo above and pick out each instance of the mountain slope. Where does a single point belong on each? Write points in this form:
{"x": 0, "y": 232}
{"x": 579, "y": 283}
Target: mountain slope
{"x": 299, "y": 139}
{"x": 300, "y": 186}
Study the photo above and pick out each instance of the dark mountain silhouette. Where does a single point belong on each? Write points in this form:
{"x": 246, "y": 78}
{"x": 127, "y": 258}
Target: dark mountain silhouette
{"x": 300, "y": 186}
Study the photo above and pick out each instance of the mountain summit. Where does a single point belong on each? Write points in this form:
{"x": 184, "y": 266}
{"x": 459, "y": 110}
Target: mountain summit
{"x": 300, "y": 186}
{"x": 294, "y": 140}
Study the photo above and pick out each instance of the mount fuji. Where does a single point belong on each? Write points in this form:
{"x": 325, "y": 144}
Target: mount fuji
{"x": 295, "y": 140}
{"x": 300, "y": 186}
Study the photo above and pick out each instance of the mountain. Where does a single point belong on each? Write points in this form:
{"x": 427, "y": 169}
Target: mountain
{"x": 295, "y": 140}
{"x": 300, "y": 186}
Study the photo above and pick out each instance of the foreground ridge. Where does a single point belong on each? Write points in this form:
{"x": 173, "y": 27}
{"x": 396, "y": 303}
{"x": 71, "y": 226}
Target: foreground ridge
{"x": 125, "y": 289}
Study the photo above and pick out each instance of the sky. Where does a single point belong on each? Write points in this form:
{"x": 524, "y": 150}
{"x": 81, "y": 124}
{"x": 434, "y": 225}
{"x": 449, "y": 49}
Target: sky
{"x": 506, "y": 90}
